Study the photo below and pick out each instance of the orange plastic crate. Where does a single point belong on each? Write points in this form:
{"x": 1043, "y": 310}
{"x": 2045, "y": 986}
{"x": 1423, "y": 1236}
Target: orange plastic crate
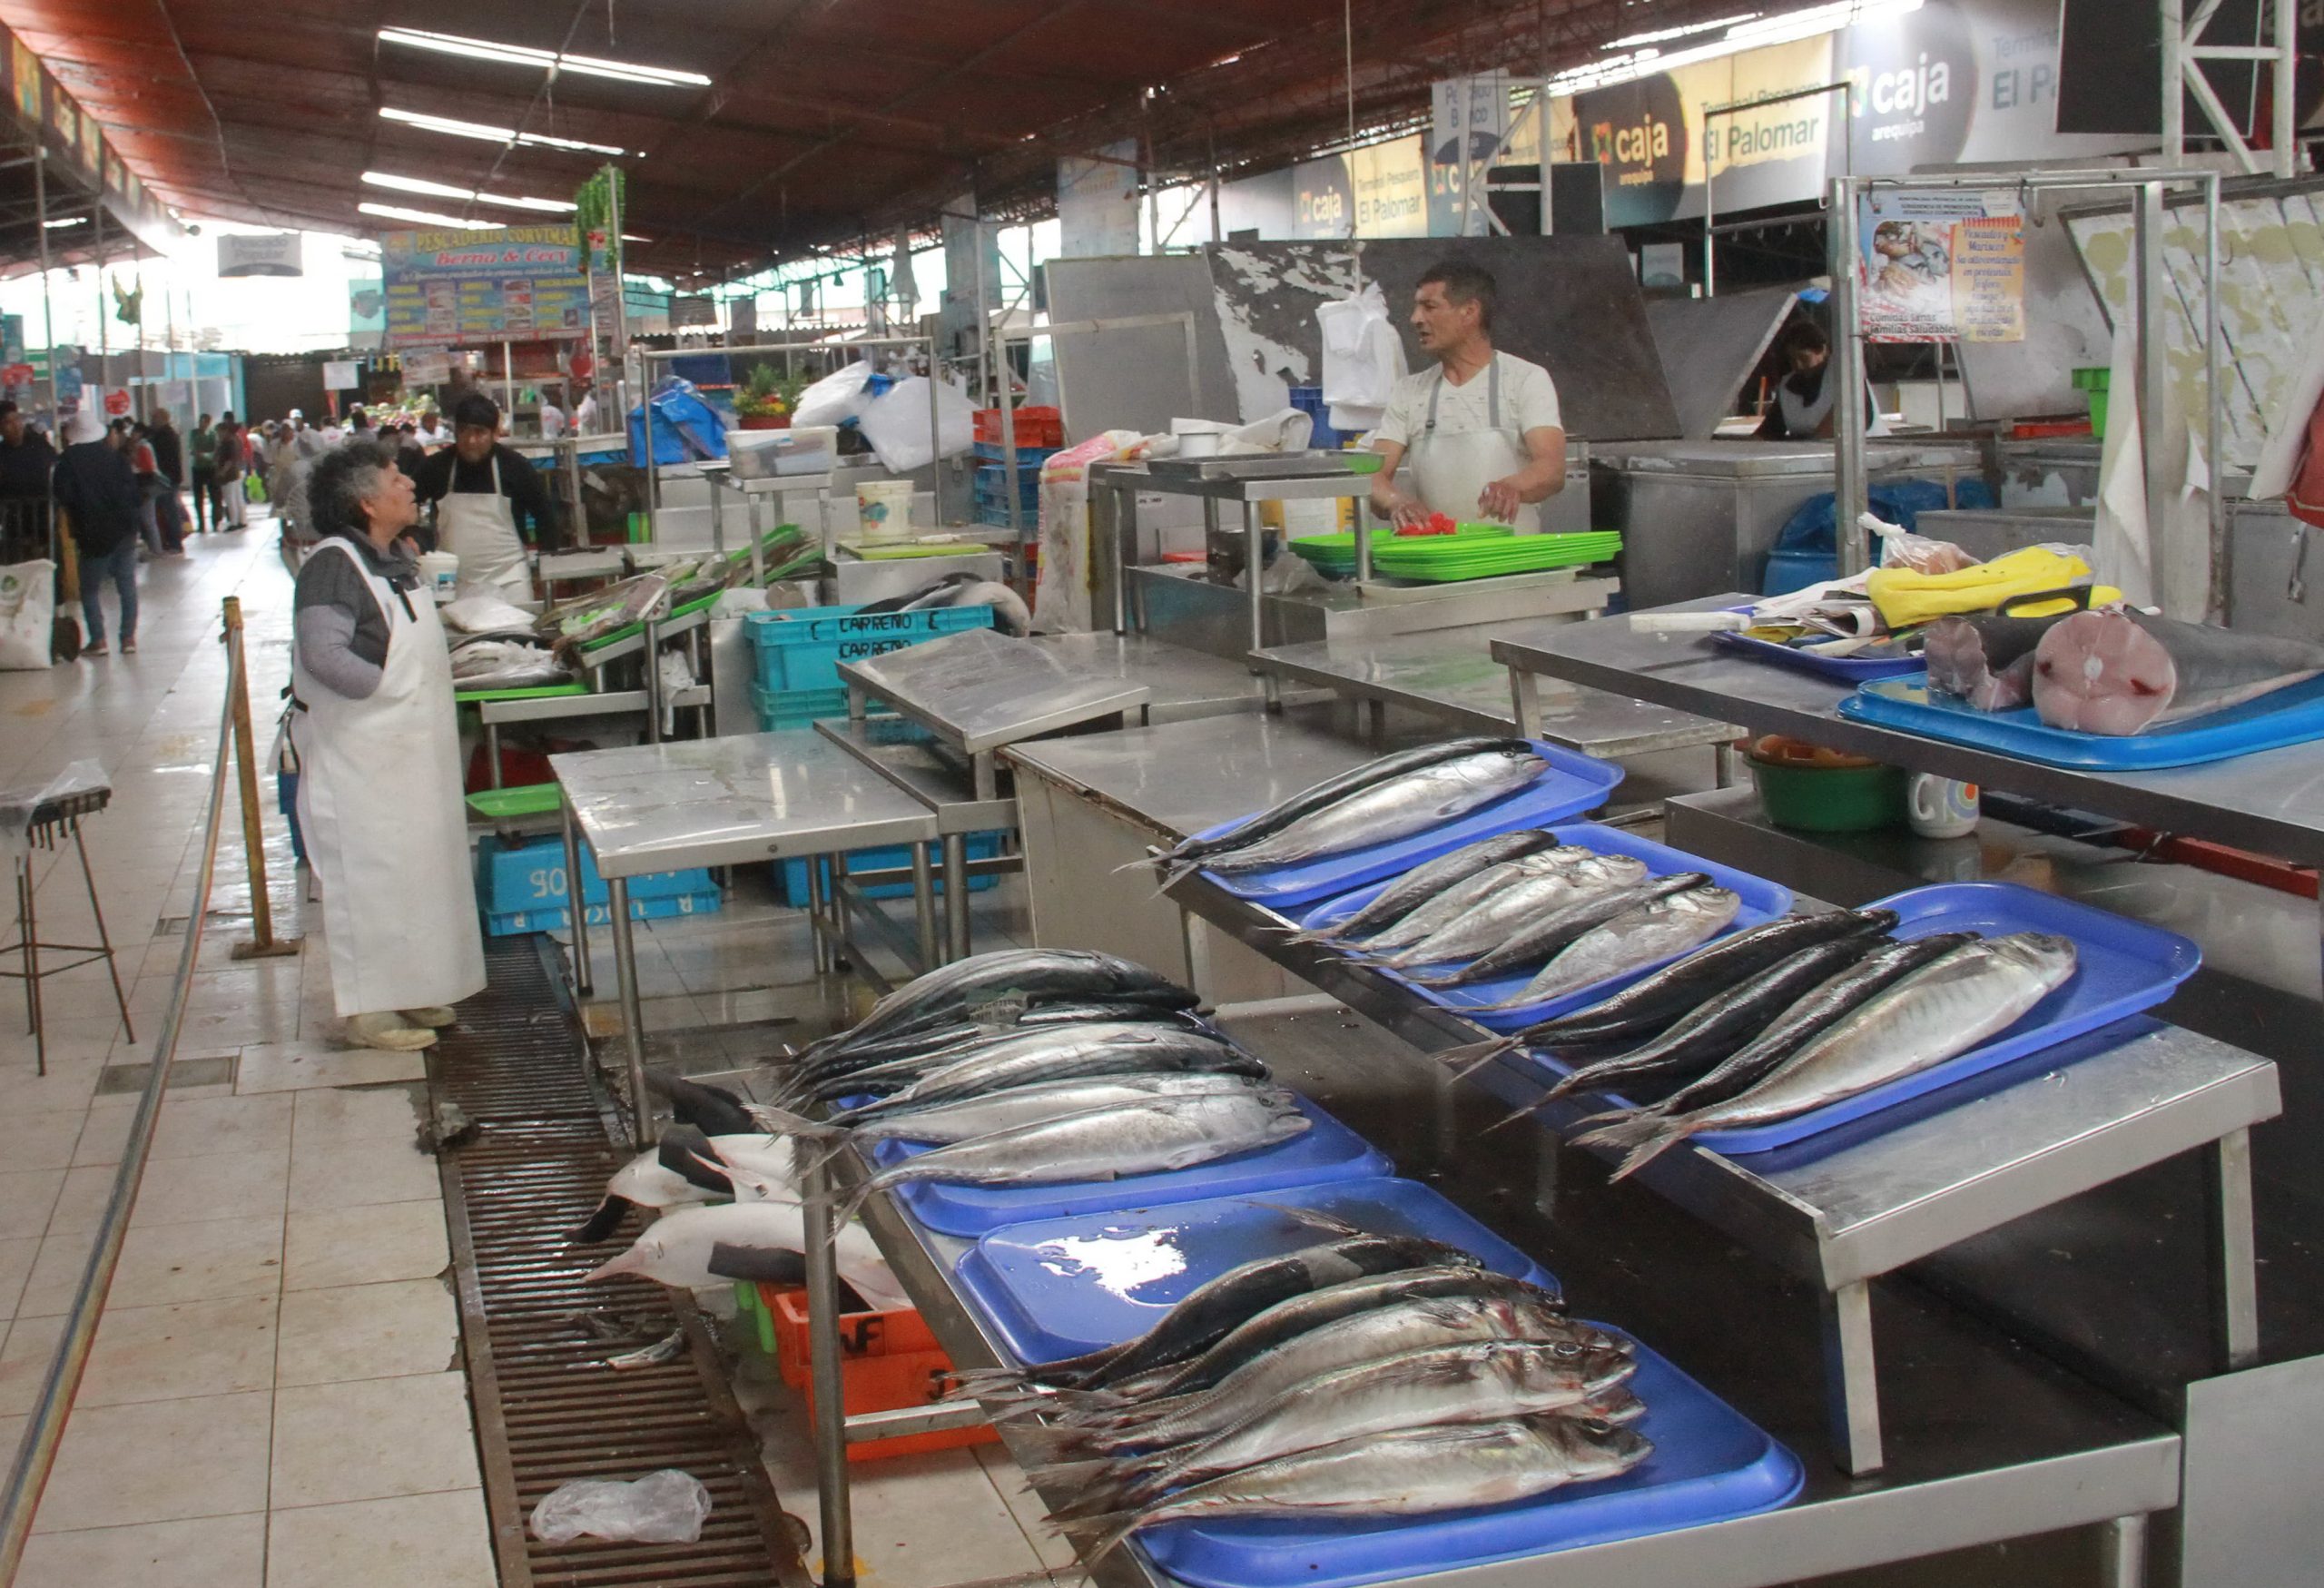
{"x": 1036, "y": 426}
{"x": 887, "y": 1361}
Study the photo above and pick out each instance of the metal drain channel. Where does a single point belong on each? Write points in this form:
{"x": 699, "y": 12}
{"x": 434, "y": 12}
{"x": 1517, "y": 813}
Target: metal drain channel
{"x": 547, "y": 1408}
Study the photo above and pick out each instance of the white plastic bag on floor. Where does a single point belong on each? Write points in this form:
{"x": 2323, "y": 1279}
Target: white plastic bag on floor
{"x": 27, "y": 615}
{"x": 662, "y": 1507}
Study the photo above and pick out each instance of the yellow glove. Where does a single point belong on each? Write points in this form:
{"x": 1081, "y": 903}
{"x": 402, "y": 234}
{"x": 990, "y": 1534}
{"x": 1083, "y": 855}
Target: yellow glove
{"x": 1908, "y": 599}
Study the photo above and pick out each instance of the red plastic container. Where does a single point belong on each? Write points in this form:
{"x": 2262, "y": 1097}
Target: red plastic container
{"x": 1036, "y": 427}
{"x": 887, "y": 1361}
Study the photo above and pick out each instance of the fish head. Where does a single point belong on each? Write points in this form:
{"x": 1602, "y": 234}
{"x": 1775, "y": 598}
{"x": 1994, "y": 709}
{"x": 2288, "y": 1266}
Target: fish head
{"x": 1593, "y": 1448}
{"x": 2043, "y": 952}
{"x": 1616, "y": 1408}
{"x": 1720, "y": 902}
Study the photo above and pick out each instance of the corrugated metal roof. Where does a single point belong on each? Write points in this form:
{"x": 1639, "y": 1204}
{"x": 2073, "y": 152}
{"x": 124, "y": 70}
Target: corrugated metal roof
{"x": 824, "y": 120}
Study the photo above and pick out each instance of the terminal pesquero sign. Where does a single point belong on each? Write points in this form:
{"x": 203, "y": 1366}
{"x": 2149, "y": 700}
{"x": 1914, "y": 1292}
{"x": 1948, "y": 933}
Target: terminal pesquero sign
{"x": 467, "y": 289}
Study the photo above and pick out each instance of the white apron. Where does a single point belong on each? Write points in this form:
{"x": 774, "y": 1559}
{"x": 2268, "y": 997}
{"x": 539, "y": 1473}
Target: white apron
{"x": 1450, "y": 468}
{"x": 480, "y": 529}
{"x": 386, "y": 827}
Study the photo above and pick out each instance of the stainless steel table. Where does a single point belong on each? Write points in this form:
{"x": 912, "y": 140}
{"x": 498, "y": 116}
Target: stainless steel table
{"x": 2063, "y": 1455}
{"x": 1181, "y": 683}
{"x": 2273, "y": 803}
{"x": 726, "y": 802}
{"x": 981, "y": 690}
{"x": 1451, "y": 675}
{"x": 1846, "y": 1207}
{"x": 754, "y": 492}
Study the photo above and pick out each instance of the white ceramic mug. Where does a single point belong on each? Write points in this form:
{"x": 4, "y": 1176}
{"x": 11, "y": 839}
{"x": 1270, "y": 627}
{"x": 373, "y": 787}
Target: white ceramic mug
{"x": 1940, "y": 807}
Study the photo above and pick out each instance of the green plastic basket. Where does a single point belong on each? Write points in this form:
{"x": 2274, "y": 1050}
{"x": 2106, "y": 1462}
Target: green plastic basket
{"x": 1442, "y": 559}
{"x": 503, "y": 804}
{"x": 534, "y": 692}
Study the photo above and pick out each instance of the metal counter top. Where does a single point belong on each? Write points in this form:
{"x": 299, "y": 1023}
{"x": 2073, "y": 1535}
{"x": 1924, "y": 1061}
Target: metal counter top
{"x": 1750, "y": 459}
{"x": 981, "y": 690}
{"x": 1185, "y": 776}
{"x": 730, "y": 801}
{"x": 1181, "y": 683}
{"x": 1451, "y": 675}
{"x": 1848, "y": 1205}
{"x": 2272, "y": 801}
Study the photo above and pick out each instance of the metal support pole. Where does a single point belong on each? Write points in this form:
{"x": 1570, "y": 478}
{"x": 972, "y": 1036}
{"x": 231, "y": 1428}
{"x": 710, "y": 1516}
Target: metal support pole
{"x": 2174, "y": 90}
{"x": 574, "y": 911}
{"x": 956, "y": 895}
{"x": 632, "y": 1012}
{"x": 935, "y": 439}
{"x": 1255, "y": 538}
{"x": 571, "y": 448}
{"x": 717, "y": 510}
{"x": 1852, "y": 1392}
{"x": 2283, "y": 136}
{"x": 829, "y": 1393}
{"x": 923, "y": 906}
{"x": 758, "y": 539}
{"x": 2214, "y": 336}
{"x": 818, "y": 901}
{"x": 2235, "y": 1303}
{"x": 97, "y": 914}
{"x": 2154, "y": 293}
{"x": 2123, "y": 1563}
{"x": 651, "y": 658}
{"x": 1847, "y": 372}
{"x": 1363, "y": 539}
{"x": 48, "y": 326}
{"x": 262, "y": 945}
{"x": 1121, "y": 533}
{"x": 1710, "y": 196}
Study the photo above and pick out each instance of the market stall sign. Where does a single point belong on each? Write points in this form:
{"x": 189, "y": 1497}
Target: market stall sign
{"x": 468, "y": 288}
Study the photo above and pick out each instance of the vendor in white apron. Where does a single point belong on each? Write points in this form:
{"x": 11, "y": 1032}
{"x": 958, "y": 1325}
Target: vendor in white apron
{"x": 480, "y": 489}
{"x": 372, "y": 732}
{"x": 1479, "y": 437}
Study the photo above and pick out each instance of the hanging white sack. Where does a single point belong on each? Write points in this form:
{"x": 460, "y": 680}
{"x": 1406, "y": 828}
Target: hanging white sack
{"x": 833, "y": 400}
{"x": 896, "y": 424}
{"x": 27, "y": 615}
{"x": 1363, "y": 358}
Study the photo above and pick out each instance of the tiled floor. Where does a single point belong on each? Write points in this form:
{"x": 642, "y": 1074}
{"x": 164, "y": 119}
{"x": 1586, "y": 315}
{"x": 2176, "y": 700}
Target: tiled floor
{"x": 274, "y": 1398}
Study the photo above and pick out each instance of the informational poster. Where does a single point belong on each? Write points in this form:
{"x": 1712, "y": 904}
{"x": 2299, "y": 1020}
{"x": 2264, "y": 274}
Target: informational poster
{"x": 341, "y": 374}
{"x": 468, "y": 288}
{"x": 1937, "y": 266}
{"x": 259, "y": 253}
{"x": 1097, "y": 203}
{"x": 427, "y": 366}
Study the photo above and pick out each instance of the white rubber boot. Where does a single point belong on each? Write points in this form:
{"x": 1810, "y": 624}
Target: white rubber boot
{"x": 390, "y": 1031}
{"x": 434, "y": 1015}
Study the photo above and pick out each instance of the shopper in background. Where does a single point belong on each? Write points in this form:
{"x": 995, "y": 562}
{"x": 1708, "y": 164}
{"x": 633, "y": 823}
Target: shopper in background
{"x": 553, "y": 420}
{"x": 358, "y": 425}
{"x": 201, "y": 452}
{"x": 480, "y": 487}
{"x": 296, "y": 448}
{"x": 169, "y": 465}
{"x": 97, "y": 493}
{"x": 585, "y": 417}
{"x": 409, "y": 453}
{"x": 227, "y": 500}
{"x": 26, "y": 461}
{"x": 373, "y": 730}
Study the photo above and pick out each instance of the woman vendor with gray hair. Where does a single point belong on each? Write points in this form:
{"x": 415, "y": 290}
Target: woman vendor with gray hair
{"x": 378, "y": 758}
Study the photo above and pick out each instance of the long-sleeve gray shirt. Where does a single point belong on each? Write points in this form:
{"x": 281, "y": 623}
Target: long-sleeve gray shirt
{"x": 340, "y": 633}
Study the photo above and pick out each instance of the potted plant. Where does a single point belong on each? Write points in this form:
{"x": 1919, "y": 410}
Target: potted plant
{"x": 761, "y": 405}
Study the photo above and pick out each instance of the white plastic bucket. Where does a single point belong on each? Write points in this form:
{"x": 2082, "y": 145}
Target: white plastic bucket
{"x": 884, "y": 508}
{"x": 439, "y": 573}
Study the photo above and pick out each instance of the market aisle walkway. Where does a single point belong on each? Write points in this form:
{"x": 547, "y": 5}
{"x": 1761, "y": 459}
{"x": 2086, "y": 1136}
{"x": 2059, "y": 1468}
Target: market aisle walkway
{"x": 274, "y": 1399}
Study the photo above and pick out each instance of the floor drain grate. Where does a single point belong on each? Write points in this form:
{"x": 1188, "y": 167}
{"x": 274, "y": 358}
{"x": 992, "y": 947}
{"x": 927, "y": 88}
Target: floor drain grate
{"x": 548, "y": 1408}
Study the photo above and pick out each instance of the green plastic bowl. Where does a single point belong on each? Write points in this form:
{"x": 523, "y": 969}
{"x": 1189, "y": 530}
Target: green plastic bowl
{"x": 1831, "y": 799}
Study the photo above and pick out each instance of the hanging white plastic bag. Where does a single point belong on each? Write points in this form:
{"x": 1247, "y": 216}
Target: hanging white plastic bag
{"x": 1363, "y": 358}
{"x": 662, "y": 1507}
{"x": 896, "y": 423}
{"x": 835, "y": 400}
{"x": 27, "y": 615}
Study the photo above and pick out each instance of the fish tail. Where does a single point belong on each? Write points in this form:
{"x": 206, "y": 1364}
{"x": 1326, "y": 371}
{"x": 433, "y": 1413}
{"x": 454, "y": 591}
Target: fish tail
{"x": 777, "y": 1120}
{"x": 1468, "y": 1060}
{"x": 1312, "y": 1218}
{"x": 1508, "y": 1120}
{"x": 1624, "y": 1131}
{"x": 988, "y": 1384}
{"x": 844, "y": 1210}
{"x": 1095, "y": 1537}
{"x": 1050, "y": 1447}
{"x": 1647, "y": 1151}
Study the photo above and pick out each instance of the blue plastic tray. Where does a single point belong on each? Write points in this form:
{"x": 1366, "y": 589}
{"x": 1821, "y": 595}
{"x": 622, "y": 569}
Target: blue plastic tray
{"x": 1329, "y": 1150}
{"x": 2289, "y": 716}
{"x": 1062, "y": 1286}
{"x": 1709, "y": 1465}
{"x": 2125, "y": 966}
{"x": 1572, "y": 785}
{"x": 1762, "y": 901}
{"x": 1846, "y": 669}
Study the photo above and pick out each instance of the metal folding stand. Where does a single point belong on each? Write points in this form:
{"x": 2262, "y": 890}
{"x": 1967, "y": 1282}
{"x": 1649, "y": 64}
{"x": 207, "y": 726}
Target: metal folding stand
{"x": 54, "y": 819}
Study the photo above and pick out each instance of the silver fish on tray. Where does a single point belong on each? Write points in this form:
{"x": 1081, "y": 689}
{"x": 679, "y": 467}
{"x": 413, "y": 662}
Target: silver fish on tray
{"x": 1398, "y": 808}
{"x": 1520, "y": 902}
{"x": 1645, "y": 935}
{"x": 1457, "y": 901}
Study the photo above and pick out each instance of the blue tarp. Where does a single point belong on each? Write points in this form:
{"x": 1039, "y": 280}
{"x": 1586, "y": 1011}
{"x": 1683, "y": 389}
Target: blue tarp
{"x": 686, "y": 427}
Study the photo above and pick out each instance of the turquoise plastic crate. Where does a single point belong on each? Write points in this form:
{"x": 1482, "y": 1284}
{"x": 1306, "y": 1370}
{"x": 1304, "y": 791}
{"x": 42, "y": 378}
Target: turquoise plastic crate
{"x": 801, "y": 647}
{"x": 528, "y": 879}
{"x": 791, "y": 876}
{"x": 707, "y": 901}
{"x": 796, "y": 708}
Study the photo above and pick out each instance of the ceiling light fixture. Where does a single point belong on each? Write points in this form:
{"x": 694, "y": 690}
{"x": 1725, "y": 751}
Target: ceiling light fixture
{"x": 442, "y": 189}
{"x": 70, "y": 221}
{"x": 1665, "y": 35}
{"x": 425, "y": 217}
{"x": 546, "y": 60}
{"x": 490, "y": 134}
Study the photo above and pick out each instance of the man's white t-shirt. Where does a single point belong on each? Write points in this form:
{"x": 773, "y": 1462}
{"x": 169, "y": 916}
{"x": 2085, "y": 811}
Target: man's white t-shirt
{"x": 552, "y": 421}
{"x": 1528, "y": 401}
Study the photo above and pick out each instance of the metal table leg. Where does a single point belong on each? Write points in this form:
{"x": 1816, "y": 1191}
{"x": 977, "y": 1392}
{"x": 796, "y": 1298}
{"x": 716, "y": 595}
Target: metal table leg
{"x": 492, "y": 752}
{"x": 2235, "y": 1299}
{"x": 1723, "y": 765}
{"x": 1375, "y": 722}
{"x": 758, "y": 553}
{"x": 104, "y": 940}
{"x": 923, "y": 906}
{"x": 1525, "y": 702}
{"x": 956, "y": 896}
{"x": 1254, "y": 541}
{"x": 633, "y": 1015}
{"x": 575, "y": 908}
{"x": 819, "y": 947}
{"x": 1852, "y": 1394}
{"x": 717, "y": 514}
{"x": 2122, "y": 1552}
{"x": 28, "y": 915}
{"x": 823, "y": 1379}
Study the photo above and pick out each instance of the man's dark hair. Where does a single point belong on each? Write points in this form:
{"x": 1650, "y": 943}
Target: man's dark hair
{"x": 6, "y": 407}
{"x": 1805, "y": 336}
{"x": 476, "y": 409}
{"x": 1465, "y": 283}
